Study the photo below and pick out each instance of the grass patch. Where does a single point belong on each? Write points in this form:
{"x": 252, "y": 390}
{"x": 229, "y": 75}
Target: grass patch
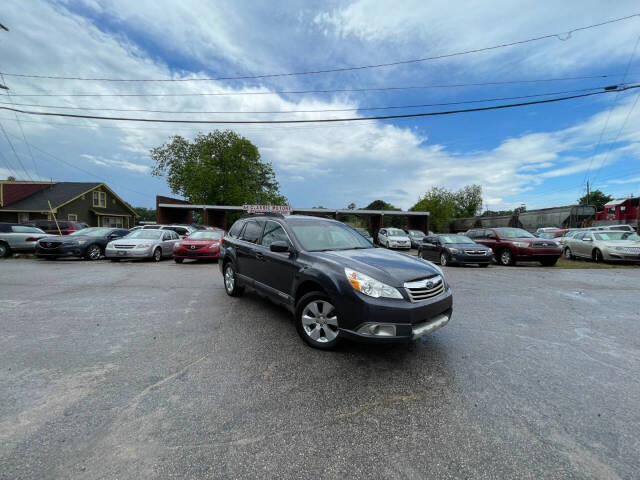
{"x": 578, "y": 264}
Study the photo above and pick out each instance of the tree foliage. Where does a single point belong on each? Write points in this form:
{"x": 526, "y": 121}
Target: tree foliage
{"x": 388, "y": 221}
{"x": 145, "y": 214}
{"x": 443, "y": 205}
{"x": 596, "y": 198}
{"x": 217, "y": 168}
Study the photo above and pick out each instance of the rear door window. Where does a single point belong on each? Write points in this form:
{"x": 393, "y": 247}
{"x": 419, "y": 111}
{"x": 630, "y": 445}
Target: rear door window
{"x": 252, "y": 232}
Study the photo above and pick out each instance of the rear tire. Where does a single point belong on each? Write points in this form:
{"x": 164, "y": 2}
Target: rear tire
{"x": 231, "y": 281}
{"x": 506, "y": 258}
{"x": 178, "y": 260}
{"x": 317, "y": 321}
{"x": 5, "y": 250}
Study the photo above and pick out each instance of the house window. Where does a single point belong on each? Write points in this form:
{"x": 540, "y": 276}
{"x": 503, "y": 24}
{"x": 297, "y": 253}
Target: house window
{"x": 99, "y": 199}
{"x": 73, "y": 217}
{"x": 23, "y": 218}
{"x": 112, "y": 222}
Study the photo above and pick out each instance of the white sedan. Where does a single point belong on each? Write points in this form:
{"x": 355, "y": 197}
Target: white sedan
{"x": 393, "y": 238}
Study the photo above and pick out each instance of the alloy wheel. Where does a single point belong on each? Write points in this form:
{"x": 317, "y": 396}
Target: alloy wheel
{"x": 157, "y": 255}
{"x": 93, "y": 252}
{"x": 320, "y": 321}
{"x": 3, "y": 250}
{"x": 506, "y": 257}
{"x": 567, "y": 253}
{"x": 443, "y": 259}
{"x": 229, "y": 279}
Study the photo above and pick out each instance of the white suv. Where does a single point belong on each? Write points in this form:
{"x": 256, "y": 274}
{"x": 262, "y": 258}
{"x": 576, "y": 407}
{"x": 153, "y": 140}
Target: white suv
{"x": 393, "y": 238}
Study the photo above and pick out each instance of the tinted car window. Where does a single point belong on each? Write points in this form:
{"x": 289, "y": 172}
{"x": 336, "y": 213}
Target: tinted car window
{"x": 235, "y": 229}
{"x": 273, "y": 232}
{"x": 320, "y": 236}
{"x": 252, "y": 232}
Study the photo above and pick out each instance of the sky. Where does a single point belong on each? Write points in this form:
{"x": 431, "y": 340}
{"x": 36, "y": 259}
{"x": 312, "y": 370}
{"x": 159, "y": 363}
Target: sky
{"x": 540, "y": 155}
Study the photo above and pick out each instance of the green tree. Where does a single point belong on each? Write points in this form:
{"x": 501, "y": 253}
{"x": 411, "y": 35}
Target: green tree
{"x": 441, "y": 205}
{"x": 597, "y": 198}
{"x": 11, "y": 178}
{"x": 145, "y": 214}
{"x": 388, "y": 221}
{"x": 468, "y": 201}
{"x": 217, "y": 168}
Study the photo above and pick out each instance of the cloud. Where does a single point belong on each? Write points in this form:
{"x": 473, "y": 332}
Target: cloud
{"x": 331, "y": 164}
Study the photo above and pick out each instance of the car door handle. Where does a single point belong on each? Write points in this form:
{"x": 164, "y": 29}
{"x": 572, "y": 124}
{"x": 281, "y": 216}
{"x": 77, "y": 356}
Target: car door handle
{"x": 259, "y": 256}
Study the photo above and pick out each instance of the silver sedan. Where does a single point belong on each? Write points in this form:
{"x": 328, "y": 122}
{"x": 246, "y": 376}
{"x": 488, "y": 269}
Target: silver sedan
{"x": 604, "y": 246}
{"x": 19, "y": 238}
{"x": 141, "y": 244}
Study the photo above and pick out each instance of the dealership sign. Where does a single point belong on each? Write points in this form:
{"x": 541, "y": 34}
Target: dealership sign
{"x": 282, "y": 209}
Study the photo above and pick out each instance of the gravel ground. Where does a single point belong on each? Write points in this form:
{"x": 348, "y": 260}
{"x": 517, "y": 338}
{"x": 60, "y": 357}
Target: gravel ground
{"x": 143, "y": 370}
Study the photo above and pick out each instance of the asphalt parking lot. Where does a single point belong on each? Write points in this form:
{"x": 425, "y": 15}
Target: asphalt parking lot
{"x": 143, "y": 370}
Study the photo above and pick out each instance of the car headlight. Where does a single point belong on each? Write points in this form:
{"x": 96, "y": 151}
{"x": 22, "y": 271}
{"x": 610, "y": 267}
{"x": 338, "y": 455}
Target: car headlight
{"x": 489, "y": 252}
{"x": 369, "y": 286}
{"x": 214, "y": 245}
{"x": 454, "y": 250}
{"x": 177, "y": 245}
{"x": 144, "y": 245}
{"x": 520, "y": 244}
{"x": 81, "y": 242}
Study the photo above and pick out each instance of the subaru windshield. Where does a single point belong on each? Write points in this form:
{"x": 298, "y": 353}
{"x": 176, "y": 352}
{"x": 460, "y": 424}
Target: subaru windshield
{"x": 322, "y": 236}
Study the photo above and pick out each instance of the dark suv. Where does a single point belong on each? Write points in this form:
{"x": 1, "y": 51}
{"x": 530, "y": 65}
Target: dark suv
{"x": 335, "y": 282}
{"x": 511, "y": 245}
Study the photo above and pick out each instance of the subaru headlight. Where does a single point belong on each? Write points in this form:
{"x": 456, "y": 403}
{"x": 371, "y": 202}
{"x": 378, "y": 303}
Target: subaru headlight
{"x": 454, "y": 250}
{"x": 369, "y": 286}
{"x": 143, "y": 245}
{"x": 520, "y": 244}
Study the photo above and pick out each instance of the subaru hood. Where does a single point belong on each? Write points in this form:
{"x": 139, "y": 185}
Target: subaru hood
{"x": 392, "y": 268}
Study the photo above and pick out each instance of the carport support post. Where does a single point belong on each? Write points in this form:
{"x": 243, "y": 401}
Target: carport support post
{"x": 375, "y": 223}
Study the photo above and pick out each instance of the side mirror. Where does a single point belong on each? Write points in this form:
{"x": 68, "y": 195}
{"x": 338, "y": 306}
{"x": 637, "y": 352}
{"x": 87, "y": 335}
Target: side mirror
{"x": 280, "y": 246}
{"x": 492, "y": 237}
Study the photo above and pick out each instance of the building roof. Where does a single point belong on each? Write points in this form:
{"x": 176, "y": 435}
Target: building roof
{"x": 57, "y": 194}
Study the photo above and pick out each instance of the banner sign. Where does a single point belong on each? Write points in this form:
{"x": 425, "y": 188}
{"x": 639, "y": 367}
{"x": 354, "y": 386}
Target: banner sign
{"x": 282, "y": 209}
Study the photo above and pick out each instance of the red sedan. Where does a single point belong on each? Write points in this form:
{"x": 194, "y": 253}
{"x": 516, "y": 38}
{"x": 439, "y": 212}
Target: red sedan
{"x": 200, "y": 245}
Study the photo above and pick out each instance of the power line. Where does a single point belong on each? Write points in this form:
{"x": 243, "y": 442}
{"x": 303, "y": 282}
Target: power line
{"x": 565, "y": 35}
{"x": 24, "y": 137}
{"x": 356, "y": 109}
{"x": 86, "y": 171}
{"x": 26, "y": 173}
{"x": 326, "y": 120}
{"x": 8, "y": 165}
{"x": 331, "y": 90}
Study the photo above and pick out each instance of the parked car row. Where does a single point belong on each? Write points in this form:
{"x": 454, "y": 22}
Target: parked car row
{"x": 603, "y": 245}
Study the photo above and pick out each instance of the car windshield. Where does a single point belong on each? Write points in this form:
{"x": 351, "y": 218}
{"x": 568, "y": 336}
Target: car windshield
{"x": 455, "y": 239}
{"x": 207, "y": 235}
{"x": 146, "y": 234}
{"x": 513, "y": 233}
{"x": 416, "y": 233}
{"x": 617, "y": 236}
{"x": 395, "y": 232}
{"x": 319, "y": 236}
{"x": 547, "y": 235}
{"x": 25, "y": 229}
{"x": 92, "y": 232}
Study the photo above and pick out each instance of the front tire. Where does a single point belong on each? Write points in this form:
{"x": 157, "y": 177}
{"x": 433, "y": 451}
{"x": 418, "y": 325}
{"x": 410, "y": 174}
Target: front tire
{"x": 5, "y": 250}
{"x": 506, "y": 258}
{"x": 597, "y": 256}
{"x": 568, "y": 254}
{"x": 157, "y": 255}
{"x": 317, "y": 321}
{"x": 231, "y": 281}
{"x": 93, "y": 252}
{"x": 444, "y": 261}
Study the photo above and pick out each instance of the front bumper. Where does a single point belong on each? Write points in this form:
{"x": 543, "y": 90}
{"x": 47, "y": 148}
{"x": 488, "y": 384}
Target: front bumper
{"x": 612, "y": 255}
{"x": 128, "y": 253}
{"x": 410, "y": 319}
{"x": 60, "y": 251}
{"x": 465, "y": 258}
{"x": 202, "y": 253}
{"x": 536, "y": 254}
{"x": 400, "y": 246}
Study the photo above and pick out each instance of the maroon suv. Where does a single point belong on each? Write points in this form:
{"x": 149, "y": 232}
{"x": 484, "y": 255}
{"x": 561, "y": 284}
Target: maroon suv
{"x": 511, "y": 245}
{"x": 66, "y": 226}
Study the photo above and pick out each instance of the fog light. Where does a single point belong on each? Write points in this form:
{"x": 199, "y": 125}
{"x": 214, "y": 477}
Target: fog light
{"x": 377, "y": 330}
